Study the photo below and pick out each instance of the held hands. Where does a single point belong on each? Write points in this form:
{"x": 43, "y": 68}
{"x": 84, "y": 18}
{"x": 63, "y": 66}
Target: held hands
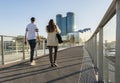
{"x": 25, "y": 42}
{"x": 38, "y": 42}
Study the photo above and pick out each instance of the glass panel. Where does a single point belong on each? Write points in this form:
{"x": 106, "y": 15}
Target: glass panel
{"x": 39, "y": 50}
{"x": 111, "y": 73}
{"x": 42, "y": 48}
{"x": 12, "y": 50}
{"x": 109, "y": 49}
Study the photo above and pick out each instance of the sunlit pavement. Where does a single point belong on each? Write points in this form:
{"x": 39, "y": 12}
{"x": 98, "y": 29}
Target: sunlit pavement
{"x": 68, "y": 71}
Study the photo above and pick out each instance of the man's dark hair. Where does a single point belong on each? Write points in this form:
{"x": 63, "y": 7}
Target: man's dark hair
{"x": 32, "y": 19}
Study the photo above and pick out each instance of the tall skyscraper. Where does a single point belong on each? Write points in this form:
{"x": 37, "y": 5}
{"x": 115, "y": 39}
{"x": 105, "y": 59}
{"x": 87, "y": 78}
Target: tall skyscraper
{"x": 66, "y": 24}
{"x": 70, "y": 22}
{"x": 59, "y": 21}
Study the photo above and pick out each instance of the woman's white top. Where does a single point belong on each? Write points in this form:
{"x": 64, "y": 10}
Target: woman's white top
{"x": 51, "y": 37}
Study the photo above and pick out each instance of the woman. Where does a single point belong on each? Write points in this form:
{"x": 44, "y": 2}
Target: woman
{"x": 52, "y": 42}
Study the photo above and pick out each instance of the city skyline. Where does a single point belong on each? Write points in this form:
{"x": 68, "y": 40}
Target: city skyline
{"x": 15, "y": 15}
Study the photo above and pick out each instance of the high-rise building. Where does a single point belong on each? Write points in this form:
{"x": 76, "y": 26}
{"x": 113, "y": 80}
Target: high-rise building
{"x": 70, "y": 22}
{"x": 59, "y": 21}
{"x": 66, "y": 24}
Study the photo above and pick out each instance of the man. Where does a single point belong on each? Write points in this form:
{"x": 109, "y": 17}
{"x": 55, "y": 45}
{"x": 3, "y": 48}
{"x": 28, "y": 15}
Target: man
{"x": 32, "y": 36}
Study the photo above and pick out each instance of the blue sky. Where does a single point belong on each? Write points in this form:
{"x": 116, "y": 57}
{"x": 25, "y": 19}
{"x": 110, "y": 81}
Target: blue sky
{"x": 16, "y": 14}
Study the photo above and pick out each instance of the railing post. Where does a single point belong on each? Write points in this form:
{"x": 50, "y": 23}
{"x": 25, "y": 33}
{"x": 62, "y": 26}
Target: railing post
{"x": 95, "y": 50}
{"x": 2, "y": 49}
{"x": 23, "y": 51}
{"x": 44, "y": 46}
{"x": 16, "y": 46}
{"x": 92, "y": 49}
{"x": 117, "y": 55}
{"x": 100, "y": 72}
{"x": 36, "y": 48}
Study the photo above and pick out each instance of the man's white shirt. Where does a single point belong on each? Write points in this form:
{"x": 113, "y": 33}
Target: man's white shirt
{"x": 31, "y": 31}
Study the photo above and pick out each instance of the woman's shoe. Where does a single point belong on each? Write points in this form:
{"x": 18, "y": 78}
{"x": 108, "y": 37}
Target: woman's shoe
{"x": 52, "y": 65}
{"x": 55, "y": 64}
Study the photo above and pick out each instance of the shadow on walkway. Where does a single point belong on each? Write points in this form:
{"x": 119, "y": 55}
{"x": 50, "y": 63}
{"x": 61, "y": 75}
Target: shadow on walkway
{"x": 69, "y": 61}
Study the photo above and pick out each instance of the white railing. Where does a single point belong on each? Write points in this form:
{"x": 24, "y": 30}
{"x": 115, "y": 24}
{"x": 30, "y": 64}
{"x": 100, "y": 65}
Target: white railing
{"x": 104, "y": 45}
{"x": 13, "y": 49}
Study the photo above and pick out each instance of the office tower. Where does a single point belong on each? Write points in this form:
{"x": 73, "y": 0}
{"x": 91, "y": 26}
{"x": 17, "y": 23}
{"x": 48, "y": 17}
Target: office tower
{"x": 66, "y": 24}
{"x": 70, "y": 22}
{"x": 58, "y": 21}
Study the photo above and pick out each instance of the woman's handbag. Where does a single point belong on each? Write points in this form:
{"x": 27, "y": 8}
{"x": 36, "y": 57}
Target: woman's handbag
{"x": 59, "y": 38}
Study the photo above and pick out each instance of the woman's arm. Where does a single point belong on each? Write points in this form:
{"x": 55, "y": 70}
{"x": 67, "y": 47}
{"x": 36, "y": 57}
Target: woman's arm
{"x": 58, "y": 29}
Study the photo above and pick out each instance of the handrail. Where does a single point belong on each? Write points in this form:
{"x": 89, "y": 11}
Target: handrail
{"x": 95, "y": 45}
{"x": 108, "y": 15}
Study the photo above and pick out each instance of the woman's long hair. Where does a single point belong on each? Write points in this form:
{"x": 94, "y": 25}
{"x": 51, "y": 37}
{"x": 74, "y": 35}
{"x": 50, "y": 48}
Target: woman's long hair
{"x": 51, "y": 27}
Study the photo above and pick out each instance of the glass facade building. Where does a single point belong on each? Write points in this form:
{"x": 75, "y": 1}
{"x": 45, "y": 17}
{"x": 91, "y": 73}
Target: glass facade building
{"x": 66, "y": 24}
{"x": 59, "y": 20}
{"x": 70, "y": 22}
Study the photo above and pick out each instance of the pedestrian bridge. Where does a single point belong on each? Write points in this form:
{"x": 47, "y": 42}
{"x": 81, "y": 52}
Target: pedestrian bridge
{"x": 96, "y": 60}
{"x": 74, "y": 66}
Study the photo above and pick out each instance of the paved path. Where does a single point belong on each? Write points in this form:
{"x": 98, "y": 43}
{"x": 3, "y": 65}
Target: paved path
{"x": 18, "y": 56}
{"x": 87, "y": 74}
{"x": 69, "y": 61}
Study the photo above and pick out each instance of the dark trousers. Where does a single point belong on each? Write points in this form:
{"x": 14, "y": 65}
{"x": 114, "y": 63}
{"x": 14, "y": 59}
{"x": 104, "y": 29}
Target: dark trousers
{"x": 53, "y": 58}
{"x": 32, "y": 44}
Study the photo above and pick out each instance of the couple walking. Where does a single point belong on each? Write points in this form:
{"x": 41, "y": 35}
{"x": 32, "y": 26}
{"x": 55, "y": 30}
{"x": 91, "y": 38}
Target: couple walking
{"x": 32, "y": 36}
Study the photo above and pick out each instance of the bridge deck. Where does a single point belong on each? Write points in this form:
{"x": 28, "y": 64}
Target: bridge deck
{"x": 68, "y": 71}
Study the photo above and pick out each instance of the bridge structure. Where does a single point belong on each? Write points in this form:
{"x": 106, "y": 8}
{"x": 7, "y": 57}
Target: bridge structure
{"x": 95, "y": 61}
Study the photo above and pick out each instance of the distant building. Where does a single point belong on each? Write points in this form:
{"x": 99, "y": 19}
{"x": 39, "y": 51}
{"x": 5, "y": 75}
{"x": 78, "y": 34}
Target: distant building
{"x": 59, "y": 21}
{"x": 66, "y": 24}
{"x": 70, "y": 22}
{"x": 67, "y": 27}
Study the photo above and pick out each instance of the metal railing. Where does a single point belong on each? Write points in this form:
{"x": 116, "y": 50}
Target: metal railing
{"x": 103, "y": 46}
{"x": 13, "y": 49}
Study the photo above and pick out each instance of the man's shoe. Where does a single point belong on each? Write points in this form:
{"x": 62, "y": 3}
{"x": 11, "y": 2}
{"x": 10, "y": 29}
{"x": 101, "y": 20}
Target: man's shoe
{"x": 33, "y": 63}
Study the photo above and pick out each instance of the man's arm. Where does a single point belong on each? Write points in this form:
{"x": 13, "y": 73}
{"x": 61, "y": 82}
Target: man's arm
{"x": 38, "y": 37}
